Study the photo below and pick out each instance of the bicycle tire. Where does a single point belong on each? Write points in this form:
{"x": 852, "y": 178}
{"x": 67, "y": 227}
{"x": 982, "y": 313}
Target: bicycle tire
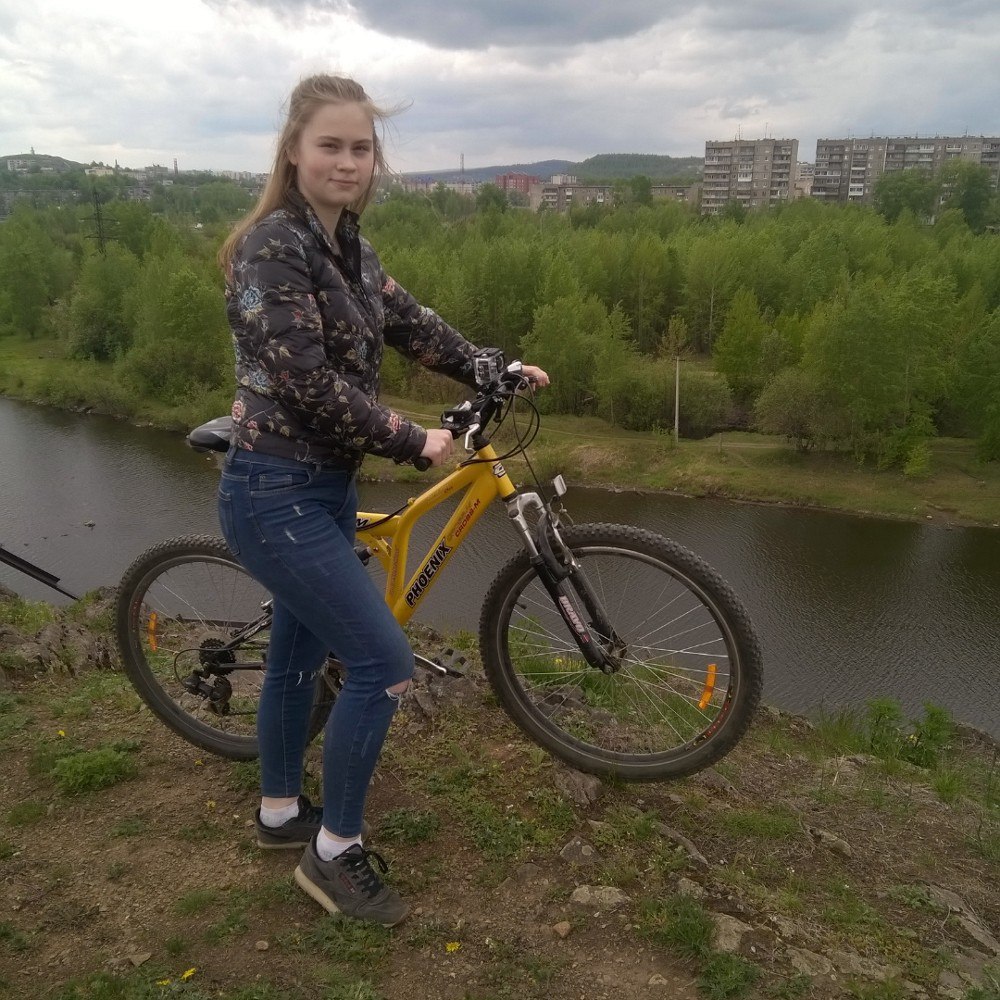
{"x": 158, "y": 645}
{"x": 688, "y": 686}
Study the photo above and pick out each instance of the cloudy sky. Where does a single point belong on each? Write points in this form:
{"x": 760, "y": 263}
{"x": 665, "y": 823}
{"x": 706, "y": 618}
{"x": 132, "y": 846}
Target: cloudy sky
{"x": 502, "y": 81}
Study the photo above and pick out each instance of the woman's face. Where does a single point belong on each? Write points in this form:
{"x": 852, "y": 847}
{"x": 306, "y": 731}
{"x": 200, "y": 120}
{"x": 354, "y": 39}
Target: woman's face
{"x": 334, "y": 159}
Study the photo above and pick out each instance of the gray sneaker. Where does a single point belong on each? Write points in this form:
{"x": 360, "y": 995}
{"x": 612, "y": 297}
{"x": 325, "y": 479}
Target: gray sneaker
{"x": 349, "y": 885}
{"x": 296, "y": 832}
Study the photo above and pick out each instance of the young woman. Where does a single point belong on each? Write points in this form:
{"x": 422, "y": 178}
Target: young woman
{"x": 311, "y": 310}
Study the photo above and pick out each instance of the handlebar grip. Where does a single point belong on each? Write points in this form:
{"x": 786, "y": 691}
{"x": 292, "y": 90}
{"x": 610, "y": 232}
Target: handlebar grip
{"x": 421, "y": 463}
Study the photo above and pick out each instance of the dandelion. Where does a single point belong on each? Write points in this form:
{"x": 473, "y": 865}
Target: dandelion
{"x": 162, "y": 982}
{"x": 61, "y": 734}
{"x": 452, "y": 946}
{"x": 210, "y": 804}
{"x": 185, "y": 976}
{"x": 199, "y": 762}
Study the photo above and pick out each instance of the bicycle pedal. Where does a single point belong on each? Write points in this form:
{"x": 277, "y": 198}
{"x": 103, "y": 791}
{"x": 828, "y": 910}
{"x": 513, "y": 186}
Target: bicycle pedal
{"x": 451, "y": 660}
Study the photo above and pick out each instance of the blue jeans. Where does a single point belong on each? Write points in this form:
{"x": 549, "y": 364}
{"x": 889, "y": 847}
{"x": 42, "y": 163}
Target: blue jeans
{"x": 292, "y": 526}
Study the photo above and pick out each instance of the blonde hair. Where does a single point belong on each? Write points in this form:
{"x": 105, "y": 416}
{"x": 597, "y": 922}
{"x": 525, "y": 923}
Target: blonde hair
{"x": 306, "y": 99}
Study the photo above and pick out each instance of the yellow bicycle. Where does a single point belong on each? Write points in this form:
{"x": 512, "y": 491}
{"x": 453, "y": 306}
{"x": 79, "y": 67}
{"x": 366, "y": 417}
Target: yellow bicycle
{"x": 617, "y": 650}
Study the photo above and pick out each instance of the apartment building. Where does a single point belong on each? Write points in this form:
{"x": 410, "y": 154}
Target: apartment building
{"x": 848, "y": 169}
{"x": 563, "y": 191}
{"x": 756, "y": 173}
{"x": 516, "y": 181}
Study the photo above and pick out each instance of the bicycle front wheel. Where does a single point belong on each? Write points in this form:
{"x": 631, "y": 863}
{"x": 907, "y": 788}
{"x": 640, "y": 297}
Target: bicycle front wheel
{"x": 178, "y": 605}
{"x": 689, "y": 676}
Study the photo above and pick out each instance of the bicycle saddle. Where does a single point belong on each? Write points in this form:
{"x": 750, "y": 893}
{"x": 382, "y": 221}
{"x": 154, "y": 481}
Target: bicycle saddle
{"x": 213, "y": 436}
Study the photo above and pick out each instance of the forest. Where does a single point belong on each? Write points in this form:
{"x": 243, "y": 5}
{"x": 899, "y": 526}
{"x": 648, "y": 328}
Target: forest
{"x": 867, "y": 330}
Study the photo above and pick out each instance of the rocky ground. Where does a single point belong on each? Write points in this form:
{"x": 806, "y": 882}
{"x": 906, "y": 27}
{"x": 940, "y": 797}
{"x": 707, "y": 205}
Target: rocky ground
{"x": 808, "y": 864}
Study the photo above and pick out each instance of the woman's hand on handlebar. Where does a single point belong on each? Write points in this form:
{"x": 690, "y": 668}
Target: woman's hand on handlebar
{"x": 537, "y": 376}
{"x": 438, "y": 446}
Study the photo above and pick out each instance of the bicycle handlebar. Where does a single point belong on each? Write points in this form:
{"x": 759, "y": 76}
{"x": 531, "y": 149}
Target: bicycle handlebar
{"x": 461, "y": 418}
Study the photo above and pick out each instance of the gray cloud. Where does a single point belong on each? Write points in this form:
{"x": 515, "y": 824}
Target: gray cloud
{"x": 479, "y": 24}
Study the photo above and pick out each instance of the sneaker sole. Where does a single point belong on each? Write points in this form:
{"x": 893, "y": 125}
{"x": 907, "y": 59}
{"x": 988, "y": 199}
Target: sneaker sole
{"x": 311, "y": 889}
{"x": 283, "y": 845}
{"x": 291, "y": 845}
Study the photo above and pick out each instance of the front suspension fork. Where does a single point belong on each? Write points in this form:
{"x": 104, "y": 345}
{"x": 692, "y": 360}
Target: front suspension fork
{"x": 567, "y": 585}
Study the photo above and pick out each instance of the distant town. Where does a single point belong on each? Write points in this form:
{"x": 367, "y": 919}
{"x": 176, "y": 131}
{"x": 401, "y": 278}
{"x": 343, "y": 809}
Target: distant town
{"x": 753, "y": 173}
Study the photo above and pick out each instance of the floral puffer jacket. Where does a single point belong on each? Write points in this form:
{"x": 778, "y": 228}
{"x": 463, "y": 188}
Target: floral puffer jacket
{"x": 309, "y": 325}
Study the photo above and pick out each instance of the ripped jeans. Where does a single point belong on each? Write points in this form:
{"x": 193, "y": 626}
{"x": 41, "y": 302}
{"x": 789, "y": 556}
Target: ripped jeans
{"x": 292, "y": 526}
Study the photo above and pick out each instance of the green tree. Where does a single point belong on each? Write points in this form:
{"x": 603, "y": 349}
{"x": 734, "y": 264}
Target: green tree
{"x": 100, "y": 312}
{"x": 489, "y": 198}
{"x": 968, "y": 188}
{"x": 564, "y": 340}
{"x": 906, "y": 190}
{"x": 181, "y": 346}
{"x": 739, "y": 350}
{"x": 977, "y": 385}
{"x": 34, "y": 273}
{"x": 878, "y": 357}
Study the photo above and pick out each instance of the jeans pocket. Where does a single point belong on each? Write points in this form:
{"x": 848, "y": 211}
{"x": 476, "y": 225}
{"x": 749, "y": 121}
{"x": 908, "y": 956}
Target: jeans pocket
{"x": 279, "y": 481}
{"x": 226, "y": 522}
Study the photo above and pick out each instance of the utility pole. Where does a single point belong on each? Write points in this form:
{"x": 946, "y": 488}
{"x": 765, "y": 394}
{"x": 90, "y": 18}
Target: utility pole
{"x": 102, "y": 236}
{"x": 677, "y": 400}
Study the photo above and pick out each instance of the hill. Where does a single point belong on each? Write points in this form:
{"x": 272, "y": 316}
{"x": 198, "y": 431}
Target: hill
{"x": 39, "y": 161}
{"x": 603, "y": 167}
{"x": 814, "y": 862}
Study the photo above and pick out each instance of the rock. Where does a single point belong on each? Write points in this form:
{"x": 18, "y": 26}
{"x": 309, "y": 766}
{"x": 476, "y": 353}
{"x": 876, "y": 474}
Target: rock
{"x": 830, "y": 841}
{"x": 728, "y": 932}
{"x": 678, "y": 838}
{"x": 583, "y": 789}
{"x": 715, "y": 781}
{"x": 562, "y": 928}
{"x": 976, "y": 930}
{"x": 949, "y": 980}
{"x": 579, "y": 852}
{"x": 657, "y": 980}
{"x": 947, "y": 899}
{"x": 971, "y": 965}
{"x": 262, "y": 945}
{"x": 788, "y": 928}
{"x": 604, "y": 897}
{"x": 760, "y": 943}
{"x": 809, "y": 963}
{"x": 139, "y": 958}
{"x": 601, "y": 828}
{"x": 688, "y": 888}
{"x": 851, "y": 964}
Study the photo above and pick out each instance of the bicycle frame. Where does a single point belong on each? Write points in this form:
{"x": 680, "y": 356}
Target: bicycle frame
{"x": 388, "y": 537}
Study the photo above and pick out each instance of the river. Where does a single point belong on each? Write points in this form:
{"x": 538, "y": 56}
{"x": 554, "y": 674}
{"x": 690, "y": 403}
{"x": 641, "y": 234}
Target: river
{"x": 847, "y": 608}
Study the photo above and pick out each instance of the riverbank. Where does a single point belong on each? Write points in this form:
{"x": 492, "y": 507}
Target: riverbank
{"x": 958, "y": 489}
{"x": 816, "y": 861}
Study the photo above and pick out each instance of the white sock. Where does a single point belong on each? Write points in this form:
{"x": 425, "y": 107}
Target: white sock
{"x": 327, "y": 848}
{"x": 278, "y": 817}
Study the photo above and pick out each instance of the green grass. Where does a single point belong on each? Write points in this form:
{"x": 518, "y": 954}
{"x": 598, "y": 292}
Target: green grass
{"x": 349, "y": 942}
{"x": 92, "y": 770}
{"x": 409, "y": 826}
{"x": 196, "y": 901}
{"x": 725, "y": 976}
{"x": 679, "y": 923}
{"x": 129, "y": 826}
{"x": 27, "y": 813}
{"x": 26, "y": 616}
{"x": 766, "y": 824}
{"x": 12, "y": 939}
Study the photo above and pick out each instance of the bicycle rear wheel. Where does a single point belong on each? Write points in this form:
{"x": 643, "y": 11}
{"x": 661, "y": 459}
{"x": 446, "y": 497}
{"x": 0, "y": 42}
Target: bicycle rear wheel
{"x": 690, "y": 675}
{"x": 178, "y": 605}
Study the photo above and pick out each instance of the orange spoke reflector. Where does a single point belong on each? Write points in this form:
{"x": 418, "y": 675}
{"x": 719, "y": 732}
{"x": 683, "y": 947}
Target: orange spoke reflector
{"x": 151, "y": 630}
{"x": 706, "y": 694}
